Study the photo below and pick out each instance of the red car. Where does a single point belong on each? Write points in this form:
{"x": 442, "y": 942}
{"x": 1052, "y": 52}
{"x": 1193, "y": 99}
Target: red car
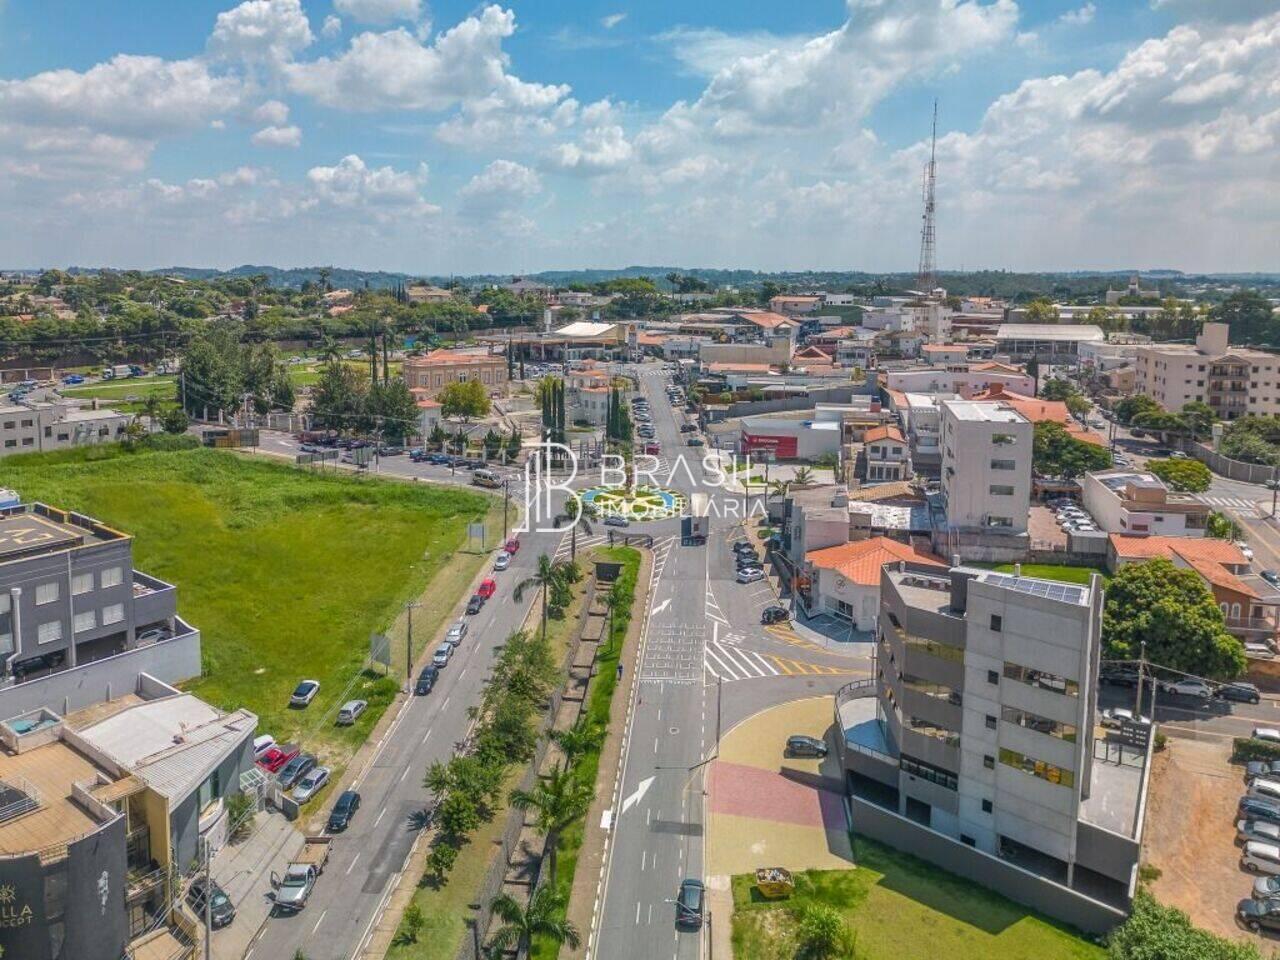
{"x": 512, "y": 546}
{"x": 486, "y": 589}
{"x": 273, "y": 760}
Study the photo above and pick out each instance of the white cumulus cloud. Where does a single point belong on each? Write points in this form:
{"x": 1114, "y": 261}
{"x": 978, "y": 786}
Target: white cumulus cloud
{"x": 379, "y": 11}
{"x": 261, "y": 31}
{"x": 289, "y": 136}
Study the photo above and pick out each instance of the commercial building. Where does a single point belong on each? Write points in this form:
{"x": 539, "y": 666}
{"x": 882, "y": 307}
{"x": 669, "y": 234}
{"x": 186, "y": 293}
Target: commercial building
{"x": 1045, "y": 342}
{"x": 986, "y": 467}
{"x": 1250, "y": 605}
{"x": 786, "y": 438}
{"x": 1233, "y": 381}
{"x": 844, "y": 581}
{"x": 967, "y": 383}
{"x": 974, "y": 745}
{"x": 426, "y": 376}
{"x": 70, "y": 597}
{"x": 1135, "y": 503}
{"x": 788, "y": 305}
{"x": 103, "y": 812}
{"x": 1133, "y": 291}
{"x": 32, "y": 427}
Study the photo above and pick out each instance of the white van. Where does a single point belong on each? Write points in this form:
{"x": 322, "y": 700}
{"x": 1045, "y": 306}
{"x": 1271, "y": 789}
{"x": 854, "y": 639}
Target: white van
{"x": 1259, "y": 857}
{"x": 1266, "y": 789}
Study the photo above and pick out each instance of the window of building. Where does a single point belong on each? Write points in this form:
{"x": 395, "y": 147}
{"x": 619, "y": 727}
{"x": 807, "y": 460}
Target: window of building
{"x": 48, "y": 632}
{"x": 111, "y": 577}
{"x": 986, "y": 806}
{"x": 927, "y": 771}
{"x": 936, "y": 731}
{"x": 84, "y": 621}
{"x": 1037, "y": 768}
{"x": 999, "y": 521}
{"x": 1000, "y": 490}
{"x": 81, "y": 583}
{"x": 991, "y": 722}
{"x": 210, "y": 791}
{"x": 989, "y": 762}
{"x": 1041, "y": 679}
{"x": 47, "y": 592}
{"x": 112, "y": 613}
{"x": 940, "y": 650}
{"x": 1004, "y": 465}
{"x": 1001, "y": 439}
{"x": 997, "y": 622}
{"x": 993, "y": 677}
{"x": 939, "y": 691}
{"x": 1051, "y": 728}
{"x": 27, "y": 442}
{"x": 11, "y": 443}
{"x": 968, "y": 840}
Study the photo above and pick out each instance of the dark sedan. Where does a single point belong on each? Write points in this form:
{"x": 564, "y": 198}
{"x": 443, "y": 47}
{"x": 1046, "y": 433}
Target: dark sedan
{"x": 343, "y": 811}
{"x": 1240, "y": 692}
{"x": 689, "y": 904}
{"x": 802, "y": 746}
{"x": 296, "y": 769}
{"x": 774, "y": 614}
{"x": 426, "y": 680}
{"x": 1259, "y": 915}
{"x": 221, "y": 910}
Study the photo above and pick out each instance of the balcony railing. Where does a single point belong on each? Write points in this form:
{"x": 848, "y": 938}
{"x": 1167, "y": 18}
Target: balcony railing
{"x": 1252, "y": 625}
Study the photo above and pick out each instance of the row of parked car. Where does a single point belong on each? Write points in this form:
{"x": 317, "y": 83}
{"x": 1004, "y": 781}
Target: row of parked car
{"x": 747, "y": 561}
{"x": 1258, "y": 833}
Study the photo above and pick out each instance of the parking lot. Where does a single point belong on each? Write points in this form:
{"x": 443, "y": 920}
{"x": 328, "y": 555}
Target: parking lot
{"x": 1190, "y": 834}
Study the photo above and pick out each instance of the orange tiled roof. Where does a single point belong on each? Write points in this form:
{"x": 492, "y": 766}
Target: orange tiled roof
{"x": 1202, "y": 548}
{"x": 884, "y": 433}
{"x": 443, "y": 357}
{"x": 766, "y": 319}
{"x": 861, "y": 561}
{"x": 726, "y": 367}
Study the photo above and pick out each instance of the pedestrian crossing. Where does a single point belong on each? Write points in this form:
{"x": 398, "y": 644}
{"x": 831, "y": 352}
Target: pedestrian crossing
{"x": 672, "y": 653}
{"x": 661, "y": 554}
{"x": 711, "y": 609}
{"x": 727, "y": 662}
{"x": 1232, "y": 503}
{"x": 585, "y": 542}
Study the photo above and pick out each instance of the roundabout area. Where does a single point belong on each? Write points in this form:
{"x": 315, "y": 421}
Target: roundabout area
{"x": 639, "y": 503}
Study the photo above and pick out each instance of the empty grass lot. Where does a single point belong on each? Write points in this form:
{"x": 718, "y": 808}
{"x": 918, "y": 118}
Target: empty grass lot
{"x": 286, "y": 573}
{"x": 902, "y": 908}
{"x": 1045, "y": 571}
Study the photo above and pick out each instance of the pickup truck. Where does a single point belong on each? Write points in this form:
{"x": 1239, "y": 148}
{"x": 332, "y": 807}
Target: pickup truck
{"x": 293, "y": 891}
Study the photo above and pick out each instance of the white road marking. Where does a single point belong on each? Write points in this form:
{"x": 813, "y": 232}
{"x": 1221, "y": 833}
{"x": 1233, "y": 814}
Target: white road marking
{"x": 405, "y": 774}
{"x": 427, "y": 734}
{"x": 354, "y": 862}
{"x": 637, "y": 911}
{"x": 641, "y": 789}
{"x": 380, "y": 816}
{"x": 662, "y": 606}
{"x": 318, "y": 922}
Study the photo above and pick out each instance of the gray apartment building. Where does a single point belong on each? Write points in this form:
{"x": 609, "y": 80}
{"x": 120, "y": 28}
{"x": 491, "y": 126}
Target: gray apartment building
{"x": 33, "y": 427}
{"x": 70, "y": 597}
{"x": 975, "y": 743}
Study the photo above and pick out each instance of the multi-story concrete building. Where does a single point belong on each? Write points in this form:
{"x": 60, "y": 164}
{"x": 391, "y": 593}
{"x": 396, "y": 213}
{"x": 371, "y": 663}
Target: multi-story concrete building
{"x": 1233, "y": 381}
{"x": 888, "y": 457}
{"x": 974, "y": 744}
{"x": 69, "y": 596}
{"x": 986, "y": 466}
{"x": 34, "y": 427}
{"x": 439, "y": 368}
{"x": 1139, "y": 504}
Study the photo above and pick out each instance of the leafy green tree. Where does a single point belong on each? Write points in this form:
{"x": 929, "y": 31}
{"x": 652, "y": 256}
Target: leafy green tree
{"x": 457, "y": 814}
{"x": 1157, "y": 932}
{"x": 1055, "y": 453}
{"x": 1185, "y": 476}
{"x": 338, "y": 397}
{"x": 1250, "y": 317}
{"x": 411, "y": 924}
{"x": 821, "y": 933}
{"x": 1171, "y": 610}
{"x": 513, "y": 444}
{"x": 543, "y": 917}
{"x": 438, "y": 436}
{"x": 1042, "y": 310}
{"x": 1158, "y": 421}
{"x": 556, "y": 801}
{"x": 213, "y": 372}
{"x": 1222, "y": 527}
{"x": 1199, "y": 419}
{"x": 1253, "y": 439}
{"x": 467, "y": 399}
{"x": 1130, "y": 407}
{"x": 392, "y": 407}
{"x": 442, "y": 858}
{"x": 175, "y": 420}
{"x": 803, "y": 475}
{"x": 579, "y": 740}
{"x": 1056, "y": 388}
{"x": 492, "y": 444}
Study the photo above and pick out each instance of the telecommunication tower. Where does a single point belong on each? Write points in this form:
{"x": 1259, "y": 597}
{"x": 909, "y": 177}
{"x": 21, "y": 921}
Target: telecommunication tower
{"x": 927, "y": 275}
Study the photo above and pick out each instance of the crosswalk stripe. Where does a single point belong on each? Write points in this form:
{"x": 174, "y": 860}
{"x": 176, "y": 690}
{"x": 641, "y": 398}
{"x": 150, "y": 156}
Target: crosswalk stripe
{"x": 712, "y": 655}
{"x": 764, "y": 662}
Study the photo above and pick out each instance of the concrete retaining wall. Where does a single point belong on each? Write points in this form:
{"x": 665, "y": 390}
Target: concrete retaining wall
{"x": 1226, "y": 467}
{"x": 1013, "y": 882}
{"x": 171, "y": 661}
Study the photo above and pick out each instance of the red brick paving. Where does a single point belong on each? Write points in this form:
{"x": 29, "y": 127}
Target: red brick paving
{"x": 745, "y": 791}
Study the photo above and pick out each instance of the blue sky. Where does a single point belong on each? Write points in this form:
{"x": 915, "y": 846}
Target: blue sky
{"x": 461, "y": 137}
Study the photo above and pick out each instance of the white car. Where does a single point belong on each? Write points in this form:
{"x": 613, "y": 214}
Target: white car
{"x": 750, "y": 575}
{"x": 310, "y": 784}
{"x": 1117, "y": 717}
{"x": 1247, "y": 830}
{"x": 456, "y": 633}
{"x": 304, "y": 693}
{"x": 1259, "y": 857}
{"x": 1270, "y": 734}
{"x": 350, "y": 712}
{"x": 502, "y": 561}
{"x": 1244, "y": 549}
{"x": 261, "y": 744}
{"x": 1188, "y": 687}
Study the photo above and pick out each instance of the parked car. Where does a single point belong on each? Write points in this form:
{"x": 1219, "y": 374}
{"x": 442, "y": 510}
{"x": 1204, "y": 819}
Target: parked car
{"x": 426, "y": 680}
{"x": 512, "y": 546}
{"x": 274, "y": 760}
{"x": 346, "y": 807}
{"x": 1271, "y": 576}
{"x": 1259, "y": 808}
{"x": 1189, "y": 687}
{"x": 502, "y": 561}
{"x": 296, "y": 769}
{"x": 304, "y": 693}
{"x": 1245, "y": 549}
{"x": 350, "y": 712}
{"x": 310, "y": 783}
{"x": 1266, "y": 888}
{"x": 1247, "y": 830}
{"x": 221, "y": 910}
{"x": 616, "y": 521}
{"x": 261, "y": 744}
{"x": 1260, "y": 651}
{"x": 456, "y": 633}
{"x": 154, "y": 635}
{"x": 486, "y": 589}
{"x": 441, "y": 657}
{"x": 1259, "y": 915}
{"x": 1259, "y": 857}
{"x": 694, "y": 442}
{"x": 1120, "y": 676}
{"x": 475, "y": 604}
{"x": 774, "y": 614}
{"x": 1268, "y": 769}
{"x": 1270, "y": 734}
{"x": 689, "y": 903}
{"x": 799, "y": 745}
{"x": 1239, "y": 691}
{"x": 750, "y": 575}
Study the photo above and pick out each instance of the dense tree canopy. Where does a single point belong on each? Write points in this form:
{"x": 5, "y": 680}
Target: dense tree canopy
{"x": 1173, "y": 611}
{"x": 1056, "y": 453}
{"x": 1157, "y": 932}
{"x": 1185, "y": 476}
{"x": 467, "y": 399}
{"x": 1253, "y": 439}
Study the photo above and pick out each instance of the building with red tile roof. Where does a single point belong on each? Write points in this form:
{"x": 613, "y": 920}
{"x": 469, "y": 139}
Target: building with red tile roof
{"x": 845, "y": 580}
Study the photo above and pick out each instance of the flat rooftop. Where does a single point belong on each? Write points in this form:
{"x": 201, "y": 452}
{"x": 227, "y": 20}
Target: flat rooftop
{"x": 1049, "y": 331}
{"x": 29, "y": 535}
{"x": 1118, "y": 481}
{"x": 47, "y": 774}
{"x": 1115, "y": 789}
{"x": 983, "y": 411}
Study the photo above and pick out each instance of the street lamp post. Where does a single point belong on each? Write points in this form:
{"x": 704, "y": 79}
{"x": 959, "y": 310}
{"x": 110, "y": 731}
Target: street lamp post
{"x": 409, "y": 607}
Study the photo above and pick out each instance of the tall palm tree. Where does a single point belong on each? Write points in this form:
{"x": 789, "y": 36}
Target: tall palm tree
{"x": 541, "y": 918}
{"x": 614, "y": 601}
{"x": 548, "y": 573}
{"x": 576, "y": 523}
{"x": 557, "y": 802}
{"x": 778, "y": 489}
{"x": 578, "y": 740}
{"x": 151, "y": 407}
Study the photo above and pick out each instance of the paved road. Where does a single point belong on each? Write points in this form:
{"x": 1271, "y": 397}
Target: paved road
{"x": 705, "y": 664}
{"x": 366, "y": 858}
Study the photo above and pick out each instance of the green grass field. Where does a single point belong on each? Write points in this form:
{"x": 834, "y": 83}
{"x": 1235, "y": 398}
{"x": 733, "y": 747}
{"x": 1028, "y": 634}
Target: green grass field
{"x": 1045, "y": 571}
{"x": 112, "y": 393}
{"x": 901, "y": 908}
{"x": 286, "y": 573}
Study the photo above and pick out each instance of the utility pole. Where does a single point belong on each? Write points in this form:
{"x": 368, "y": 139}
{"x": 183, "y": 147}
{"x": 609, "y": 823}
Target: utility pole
{"x": 1142, "y": 663}
{"x": 208, "y": 900}
{"x": 408, "y": 644}
{"x": 1275, "y": 489}
{"x": 506, "y": 501}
